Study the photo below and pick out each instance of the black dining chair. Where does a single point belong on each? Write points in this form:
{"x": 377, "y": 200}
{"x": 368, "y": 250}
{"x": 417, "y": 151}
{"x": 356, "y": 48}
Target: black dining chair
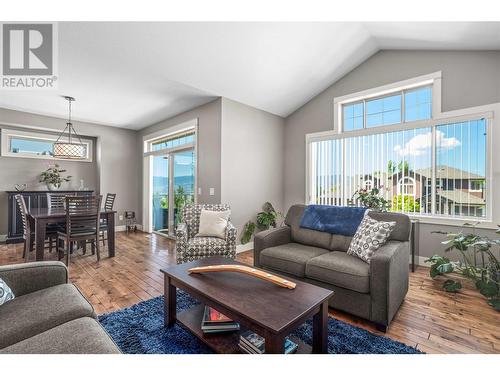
{"x": 28, "y": 231}
{"x": 57, "y": 201}
{"x": 82, "y": 224}
{"x": 109, "y": 202}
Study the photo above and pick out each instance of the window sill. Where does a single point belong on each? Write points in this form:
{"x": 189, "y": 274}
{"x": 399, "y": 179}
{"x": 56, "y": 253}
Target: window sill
{"x": 455, "y": 222}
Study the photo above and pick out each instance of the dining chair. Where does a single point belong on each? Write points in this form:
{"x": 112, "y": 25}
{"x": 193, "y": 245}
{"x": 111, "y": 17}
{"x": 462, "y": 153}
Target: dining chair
{"x": 82, "y": 224}
{"x": 28, "y": 232}
{"x": 57, "y": 201}
{"x": 109, "y": 202}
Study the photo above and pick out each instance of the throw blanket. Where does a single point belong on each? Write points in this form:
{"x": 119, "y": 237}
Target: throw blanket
{"x": 333, "y": 219}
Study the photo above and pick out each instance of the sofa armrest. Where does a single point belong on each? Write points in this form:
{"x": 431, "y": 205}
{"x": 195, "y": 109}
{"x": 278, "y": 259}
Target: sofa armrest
{"x": 269, "y": 238}
{"x": 389, "y": 279}
{"x": 29, "y": 277}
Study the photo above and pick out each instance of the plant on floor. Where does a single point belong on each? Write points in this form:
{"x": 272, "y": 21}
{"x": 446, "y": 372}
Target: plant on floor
{"x": 485, "y": 273}
{"x": 52, "y": 177}
{"x": 371, "y": 199}
{"x": 266, "y": 219}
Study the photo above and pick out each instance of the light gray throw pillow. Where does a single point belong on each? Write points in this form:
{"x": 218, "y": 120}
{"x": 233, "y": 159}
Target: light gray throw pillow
{"x": 5, "y": 292}
{"x": 370, "y": 236}
{"x": 213, "y": 223}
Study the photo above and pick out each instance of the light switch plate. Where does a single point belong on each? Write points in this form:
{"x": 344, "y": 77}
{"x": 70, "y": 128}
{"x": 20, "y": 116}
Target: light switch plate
{"x": 212, "y": 191}
{"x": 199, "y": 191}
{"x": 120, "y": 217}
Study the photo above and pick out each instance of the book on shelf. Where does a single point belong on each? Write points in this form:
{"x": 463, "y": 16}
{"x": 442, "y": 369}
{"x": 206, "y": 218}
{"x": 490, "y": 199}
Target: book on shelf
{"x": 216, "y": 322}
{"x": 252, "y": 343}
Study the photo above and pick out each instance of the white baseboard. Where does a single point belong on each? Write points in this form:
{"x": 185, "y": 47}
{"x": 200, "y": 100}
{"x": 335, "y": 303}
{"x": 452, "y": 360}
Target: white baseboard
{"x": 241, "y": 248}
{"x": 3, "y": 237}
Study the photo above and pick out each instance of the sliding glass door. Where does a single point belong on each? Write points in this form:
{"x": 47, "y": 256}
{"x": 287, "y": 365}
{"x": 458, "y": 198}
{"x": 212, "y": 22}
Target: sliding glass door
{"x": 169, "y": 179}
{"x": 160, "y": 193}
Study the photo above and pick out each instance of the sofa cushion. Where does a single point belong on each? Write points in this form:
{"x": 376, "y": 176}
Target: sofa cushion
{"x": 5, "y": 292}
{"x": 340, "y": 269}
{"x": 80, "y": 336}
{"x": 290, "y": 258}
{"x": 303, "y": 235}
{"x": 33, "y": 313}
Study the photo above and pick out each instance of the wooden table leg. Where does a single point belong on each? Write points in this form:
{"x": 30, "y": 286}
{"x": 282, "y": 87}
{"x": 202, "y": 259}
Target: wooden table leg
{"x": 275, "y": 344}
{"x": 320, "y": 329}
{"x": 111, "y": 234}
{"x": 40, "y": 232}
{"x": 170, "y": 302}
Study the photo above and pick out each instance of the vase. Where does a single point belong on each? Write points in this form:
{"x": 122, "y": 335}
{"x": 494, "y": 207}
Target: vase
{"x": 53, "y": 187}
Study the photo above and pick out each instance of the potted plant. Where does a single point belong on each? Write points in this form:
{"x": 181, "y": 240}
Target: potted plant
{"x": 52, "y": 177}
{"x": 371, "y": 199}
{"x": 485, "y": 273}
{"x": 266, "y": 219}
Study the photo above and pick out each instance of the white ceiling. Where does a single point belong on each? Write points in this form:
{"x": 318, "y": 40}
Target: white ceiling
{"x": 132, "y": 75}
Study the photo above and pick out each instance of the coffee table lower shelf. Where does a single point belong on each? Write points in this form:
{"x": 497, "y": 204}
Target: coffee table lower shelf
{"x": 222, "y": 343}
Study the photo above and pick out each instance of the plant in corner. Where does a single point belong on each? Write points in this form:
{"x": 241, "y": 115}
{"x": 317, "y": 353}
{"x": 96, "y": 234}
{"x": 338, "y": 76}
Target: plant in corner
{"x": 485, "y": 273}
{"x": 53, "y": 178}
{"x": 371, "y": 199}
{"x": 266, "y": 219}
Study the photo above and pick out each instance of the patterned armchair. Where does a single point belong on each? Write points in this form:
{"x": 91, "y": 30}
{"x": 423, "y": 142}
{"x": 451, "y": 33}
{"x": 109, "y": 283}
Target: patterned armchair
{"x": 190, "y": 248}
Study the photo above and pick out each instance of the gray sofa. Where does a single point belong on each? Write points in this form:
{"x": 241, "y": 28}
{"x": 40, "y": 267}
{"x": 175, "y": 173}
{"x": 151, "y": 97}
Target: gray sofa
{"x": 48, "y": 315}
{"x": 372, "y": 291}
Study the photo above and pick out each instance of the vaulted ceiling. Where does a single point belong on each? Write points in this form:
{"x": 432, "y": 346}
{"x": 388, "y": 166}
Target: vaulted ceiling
{"x": 132, "y": 75}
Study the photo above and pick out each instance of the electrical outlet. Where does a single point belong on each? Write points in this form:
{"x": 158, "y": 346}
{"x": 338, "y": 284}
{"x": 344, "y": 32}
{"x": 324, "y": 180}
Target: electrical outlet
{"x": 212, "y": 191}
{"x": 120, "y": 217}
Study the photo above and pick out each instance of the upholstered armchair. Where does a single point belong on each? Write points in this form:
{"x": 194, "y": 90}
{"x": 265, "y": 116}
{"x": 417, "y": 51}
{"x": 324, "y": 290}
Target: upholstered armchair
{"x": 189, "y": 247}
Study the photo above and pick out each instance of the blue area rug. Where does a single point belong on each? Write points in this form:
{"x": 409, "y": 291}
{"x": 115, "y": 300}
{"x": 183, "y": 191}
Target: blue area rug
{"x": 139, "y": 330}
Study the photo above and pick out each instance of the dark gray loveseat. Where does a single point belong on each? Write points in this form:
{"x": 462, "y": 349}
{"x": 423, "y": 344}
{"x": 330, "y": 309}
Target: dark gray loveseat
{"x": 48, "y": 315}
{"x": 372, "y": 291}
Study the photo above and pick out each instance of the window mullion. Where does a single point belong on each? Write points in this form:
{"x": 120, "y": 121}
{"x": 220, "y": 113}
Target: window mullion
{"x": 433, "y": 171}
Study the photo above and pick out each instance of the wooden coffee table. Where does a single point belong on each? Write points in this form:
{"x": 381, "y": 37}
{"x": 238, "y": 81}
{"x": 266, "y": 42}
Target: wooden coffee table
{"x": 267, "y": 309}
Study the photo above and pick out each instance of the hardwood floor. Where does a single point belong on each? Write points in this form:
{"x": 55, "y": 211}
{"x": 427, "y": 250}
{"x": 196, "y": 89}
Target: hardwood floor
{"x": 430, "y": 319}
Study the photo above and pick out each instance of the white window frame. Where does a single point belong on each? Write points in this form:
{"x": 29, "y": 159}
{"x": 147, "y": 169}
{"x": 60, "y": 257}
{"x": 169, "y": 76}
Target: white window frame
{"x": 486, "y": 112}
{"x": 433, "y": 80}
{"x": 148, "y": 140}
{"x": 7, "y": 134}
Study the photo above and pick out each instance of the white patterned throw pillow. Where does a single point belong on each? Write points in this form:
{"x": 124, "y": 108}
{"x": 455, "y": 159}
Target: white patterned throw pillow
{"x": 5, "y": 292}
{"x": 369, "y": 237}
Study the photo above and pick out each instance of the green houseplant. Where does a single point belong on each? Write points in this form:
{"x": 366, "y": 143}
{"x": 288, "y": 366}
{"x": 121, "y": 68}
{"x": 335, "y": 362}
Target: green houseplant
{"x": 53, "y": 178}
{"x": 484, "y": 273}
{"x": 371, "y": 199}
{"x": 266, "y": 219}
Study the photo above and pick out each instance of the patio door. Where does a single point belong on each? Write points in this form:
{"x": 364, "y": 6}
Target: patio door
{"x": 169, "y": 180}
{"x": 173, "y": 182}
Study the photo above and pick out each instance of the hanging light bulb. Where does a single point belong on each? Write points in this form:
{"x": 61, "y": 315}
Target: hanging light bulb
{"x": 70, "y": 149}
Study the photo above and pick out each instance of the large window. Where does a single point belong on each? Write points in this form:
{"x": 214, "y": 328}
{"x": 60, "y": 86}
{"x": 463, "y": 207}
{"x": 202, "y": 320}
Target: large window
{"x": 405, "y": 105}
{"x": 400, "y": 164}
{"x": 35, "y": 145}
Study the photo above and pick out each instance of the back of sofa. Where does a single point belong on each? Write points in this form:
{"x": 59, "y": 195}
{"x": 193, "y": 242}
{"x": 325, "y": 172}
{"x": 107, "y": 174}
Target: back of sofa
{"x": 335, "y": 241}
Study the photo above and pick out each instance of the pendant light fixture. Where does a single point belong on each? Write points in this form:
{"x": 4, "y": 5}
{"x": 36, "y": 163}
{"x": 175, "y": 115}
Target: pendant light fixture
{"x": 70, "y": 149}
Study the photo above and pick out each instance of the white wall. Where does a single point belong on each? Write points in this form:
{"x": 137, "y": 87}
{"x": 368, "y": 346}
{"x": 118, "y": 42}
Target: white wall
{"x": 251, "y": 160}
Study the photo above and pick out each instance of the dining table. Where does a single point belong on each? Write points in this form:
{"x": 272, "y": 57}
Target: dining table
{"x": 40, "y": 217}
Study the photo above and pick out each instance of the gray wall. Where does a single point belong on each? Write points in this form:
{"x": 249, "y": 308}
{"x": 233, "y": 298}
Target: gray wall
{"x": 468, "y": 79}
{"x": 252, "y": 160}
{"x": 209, "y": 146}
{"x": 117, "y": 172}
